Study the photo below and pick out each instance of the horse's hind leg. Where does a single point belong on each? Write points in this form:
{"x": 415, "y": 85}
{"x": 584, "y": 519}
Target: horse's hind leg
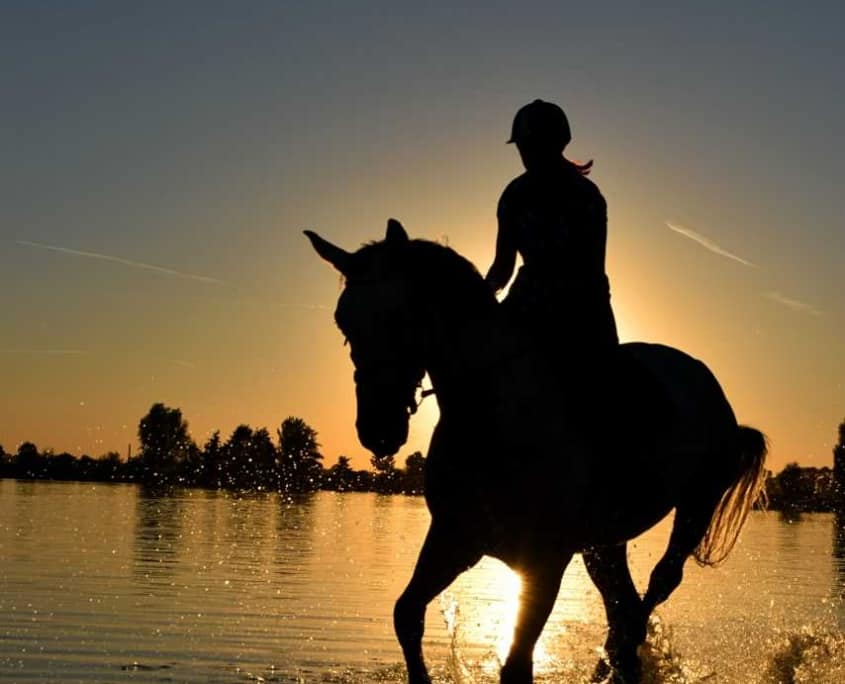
{"x": 445, "y": 554}
{"x": 540, "y": 584}
{"x": 692, "y": 518}
{"x": 626, "y": 618}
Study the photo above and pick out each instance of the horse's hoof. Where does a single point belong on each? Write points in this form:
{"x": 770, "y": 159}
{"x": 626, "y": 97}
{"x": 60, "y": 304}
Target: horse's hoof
{"x": 616, "y": 670}
{"x": 601, "y": 671}
{"x": 418, "y": 676}
{"x": 627, "y": 673}
{"x": 516, "y": 673}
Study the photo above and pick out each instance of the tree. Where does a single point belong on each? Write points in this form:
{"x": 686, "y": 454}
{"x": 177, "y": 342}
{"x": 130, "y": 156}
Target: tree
{"x": 839, "y": 469}
{"x": 251, "y": 459}
{"x": 383, "y": 464}
{"x": 265, "y": 461}
{"x": 414, "y": 473}
{"x": 29, "y": 462}
{"x": 213, "y": 467}
{"x": 387, "y": 480}
{"x": 62, "y": 466}
{"x": 299, "y": 456}
{"x": 340, "y": 477}
{"x": 165, "y": 443}
{"x": 109, "y": 467}
{"x": 799, "y": 490}
{"x": 237, "y": 455}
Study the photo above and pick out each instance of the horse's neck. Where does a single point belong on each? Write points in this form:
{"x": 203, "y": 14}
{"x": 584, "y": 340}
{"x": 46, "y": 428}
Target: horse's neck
{"x": 466, "y": 355}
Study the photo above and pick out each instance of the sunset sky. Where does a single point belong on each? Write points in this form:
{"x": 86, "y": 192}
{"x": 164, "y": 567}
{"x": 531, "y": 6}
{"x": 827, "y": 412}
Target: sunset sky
{"x": 160, "y": 161}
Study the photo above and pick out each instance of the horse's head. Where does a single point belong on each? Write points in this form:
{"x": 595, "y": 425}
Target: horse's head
{"x": 375, "y": 315}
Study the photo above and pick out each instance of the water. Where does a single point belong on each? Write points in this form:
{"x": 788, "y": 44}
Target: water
{"x": 110, "y": 583}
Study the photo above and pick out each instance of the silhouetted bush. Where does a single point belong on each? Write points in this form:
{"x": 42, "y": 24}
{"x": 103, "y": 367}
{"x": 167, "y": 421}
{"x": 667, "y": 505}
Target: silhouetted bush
{"x": 801, "y": 490}
{"x": 839, "y": 469}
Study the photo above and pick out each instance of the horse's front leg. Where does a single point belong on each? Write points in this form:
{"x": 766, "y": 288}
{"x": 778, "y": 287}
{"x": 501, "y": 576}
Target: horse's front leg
{"x": 446, "y": 553}
{"x": 540, "y": 584}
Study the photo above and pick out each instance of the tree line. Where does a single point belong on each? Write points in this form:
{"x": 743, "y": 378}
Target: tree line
{"x": 803, "y": 490}
{"x": 797, "y": 489}
{"x": 250, "y": 459}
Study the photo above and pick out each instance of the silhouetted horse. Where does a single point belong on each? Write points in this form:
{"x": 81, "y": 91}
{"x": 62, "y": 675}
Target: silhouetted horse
{"x": 515, "y": 469}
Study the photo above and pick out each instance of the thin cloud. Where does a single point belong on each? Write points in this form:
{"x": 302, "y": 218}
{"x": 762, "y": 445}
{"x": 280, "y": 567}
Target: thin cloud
{"x": 707, "y": 243}
{"x": 307, "y": 307}
{"x": 56, "y": 352}
{"x": 119, "y": 260}
{"x": 794, "y": 304}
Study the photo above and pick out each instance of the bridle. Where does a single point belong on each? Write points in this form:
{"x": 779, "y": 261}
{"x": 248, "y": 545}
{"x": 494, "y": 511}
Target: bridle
{"x": 374, "y": 373}
{"x": 376, "y": 369}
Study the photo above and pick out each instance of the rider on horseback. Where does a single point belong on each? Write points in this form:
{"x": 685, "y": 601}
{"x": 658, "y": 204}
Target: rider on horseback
{"x": 556, "y": 219}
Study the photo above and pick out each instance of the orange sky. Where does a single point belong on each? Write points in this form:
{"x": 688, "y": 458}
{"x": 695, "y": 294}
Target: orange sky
{"x": 151, "y": 246}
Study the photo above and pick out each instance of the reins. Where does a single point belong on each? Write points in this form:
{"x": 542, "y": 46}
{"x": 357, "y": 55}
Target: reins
{"x": 423, "y": 394}
{"x": 476, "y": 372}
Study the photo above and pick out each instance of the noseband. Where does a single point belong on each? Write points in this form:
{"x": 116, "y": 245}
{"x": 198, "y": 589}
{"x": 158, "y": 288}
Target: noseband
{"x": 382, "y": 373}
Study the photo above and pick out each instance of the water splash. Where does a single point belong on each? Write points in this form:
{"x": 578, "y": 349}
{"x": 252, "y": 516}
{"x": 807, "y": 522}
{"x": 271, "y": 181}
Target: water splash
{"x": 663, "y": 663}
{"x": 804, "y": 657}
{"x": 458, "y": 668}
{"x": 808, "y": 657}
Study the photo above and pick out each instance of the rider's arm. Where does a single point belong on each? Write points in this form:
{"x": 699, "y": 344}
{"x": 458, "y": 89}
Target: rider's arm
{"x": 502, "y": 268}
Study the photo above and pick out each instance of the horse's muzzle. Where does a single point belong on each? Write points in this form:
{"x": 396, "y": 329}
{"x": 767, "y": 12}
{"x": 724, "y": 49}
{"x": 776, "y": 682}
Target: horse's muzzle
{"x": 383, "y": 437}
{"x": 384, "y": 412}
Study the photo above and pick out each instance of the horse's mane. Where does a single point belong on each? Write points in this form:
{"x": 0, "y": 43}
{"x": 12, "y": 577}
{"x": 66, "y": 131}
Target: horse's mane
{"x": 435, "y": 268}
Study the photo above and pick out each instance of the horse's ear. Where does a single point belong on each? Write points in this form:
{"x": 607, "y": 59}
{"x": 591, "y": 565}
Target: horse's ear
{"x": 336, "y": 256}
{"x": 395, "y": 232}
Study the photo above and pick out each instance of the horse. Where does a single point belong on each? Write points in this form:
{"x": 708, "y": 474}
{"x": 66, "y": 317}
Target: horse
{"x": 516, "y": 469}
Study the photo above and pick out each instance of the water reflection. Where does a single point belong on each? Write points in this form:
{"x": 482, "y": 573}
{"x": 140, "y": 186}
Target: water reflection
{"x": 293, "y": 534}
{"x": 790, "y": 515}
{"x": 839, "y": 537}
{"x": 198, "y": 586}
{"x": 18, "y": 515}
{"x": 158, "y": 535}
{"x": 194, "y": 549}
{"x": 295, "y": 516}
{"x": 789, "y": 532}
{"x": 839, "y": 562}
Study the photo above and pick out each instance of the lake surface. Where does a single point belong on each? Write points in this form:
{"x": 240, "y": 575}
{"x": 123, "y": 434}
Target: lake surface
{"x": 112, "y": 583}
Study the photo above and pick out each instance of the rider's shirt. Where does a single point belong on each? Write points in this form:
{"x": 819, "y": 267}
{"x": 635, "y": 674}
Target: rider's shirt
{"x": 558, "y": 223}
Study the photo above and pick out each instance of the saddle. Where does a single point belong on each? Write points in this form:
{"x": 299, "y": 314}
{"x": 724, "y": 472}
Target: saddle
{"x": 641, "y": 398}
{"x": 615, "y": 393}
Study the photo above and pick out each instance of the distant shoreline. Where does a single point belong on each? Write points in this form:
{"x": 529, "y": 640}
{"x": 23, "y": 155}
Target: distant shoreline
{"x": 794, "y": 491}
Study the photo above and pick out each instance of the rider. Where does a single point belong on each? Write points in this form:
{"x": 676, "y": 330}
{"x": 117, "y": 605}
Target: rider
{"x": 556, "y": 219}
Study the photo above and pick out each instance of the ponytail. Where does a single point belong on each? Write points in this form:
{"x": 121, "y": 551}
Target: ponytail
{"x": 584, "y": 169}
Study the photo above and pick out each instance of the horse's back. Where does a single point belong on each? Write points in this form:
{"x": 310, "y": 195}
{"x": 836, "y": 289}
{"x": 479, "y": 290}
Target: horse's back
{"x": 682, "y": 408}
{"x": 679, "y": 380}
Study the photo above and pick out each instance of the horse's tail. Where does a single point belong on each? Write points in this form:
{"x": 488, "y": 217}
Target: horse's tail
{"x": 746, "y": 490}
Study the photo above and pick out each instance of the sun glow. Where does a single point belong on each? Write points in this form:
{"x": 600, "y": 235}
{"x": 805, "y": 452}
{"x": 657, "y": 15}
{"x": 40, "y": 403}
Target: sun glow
{"x": 509, "y": 586}
{"x": 423, "y": 421}
{"x": 482, "y": 608}
{"x": 481, "y": 611}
